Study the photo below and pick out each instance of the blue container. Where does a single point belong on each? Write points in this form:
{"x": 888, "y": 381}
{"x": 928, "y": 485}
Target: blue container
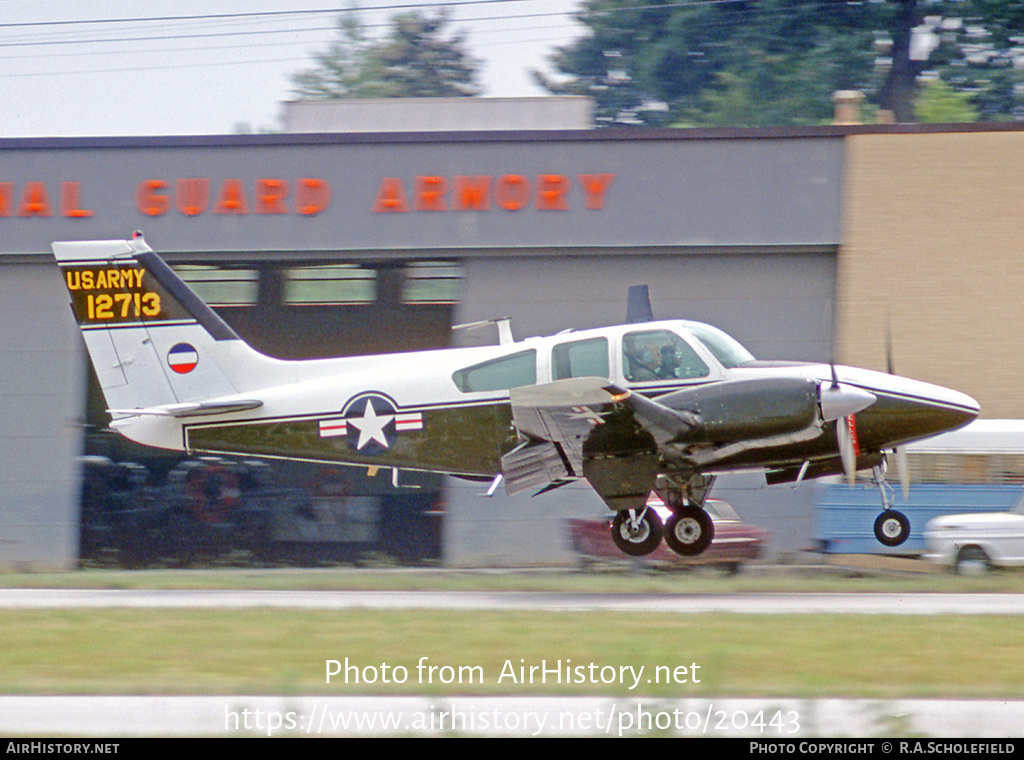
{"x": 845, "y": 515}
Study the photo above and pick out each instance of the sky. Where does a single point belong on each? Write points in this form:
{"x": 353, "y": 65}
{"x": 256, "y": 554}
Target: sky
{"x": 137, "y": 71}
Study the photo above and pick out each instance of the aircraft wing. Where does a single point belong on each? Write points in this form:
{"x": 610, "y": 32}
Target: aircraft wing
{"x": 589, "y": 428}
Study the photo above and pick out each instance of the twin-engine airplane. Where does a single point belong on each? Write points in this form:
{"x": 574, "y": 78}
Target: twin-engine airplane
{"x": 635, "y": 408}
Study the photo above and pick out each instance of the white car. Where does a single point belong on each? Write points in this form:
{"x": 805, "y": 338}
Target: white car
{"x": 982, "y": 539}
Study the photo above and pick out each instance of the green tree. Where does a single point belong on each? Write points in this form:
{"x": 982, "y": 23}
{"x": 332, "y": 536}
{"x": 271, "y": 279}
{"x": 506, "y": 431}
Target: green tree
{"x": 416, "y": 59}
{"x": 763, "y": 62}
{"x": 938, "y": 103}
{"x": 978, "y": 50}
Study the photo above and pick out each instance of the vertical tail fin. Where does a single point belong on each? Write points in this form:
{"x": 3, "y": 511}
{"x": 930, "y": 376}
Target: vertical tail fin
{"x": 638, "y": 305}
{"x": 151, "y": 340}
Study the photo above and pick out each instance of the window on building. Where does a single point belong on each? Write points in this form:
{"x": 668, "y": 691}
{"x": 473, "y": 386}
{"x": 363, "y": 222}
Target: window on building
{"x": 329, "y": 285}
{"x": 432, "y": 282}
{"x": 221, "y": 286}
{"x": 498, "y": 374}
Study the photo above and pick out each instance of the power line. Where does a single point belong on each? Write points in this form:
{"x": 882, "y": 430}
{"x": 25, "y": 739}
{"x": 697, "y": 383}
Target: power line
{"x": 143, "y": 36}
{"x": 254, "y": 14}
{"x": 248, "y": 16}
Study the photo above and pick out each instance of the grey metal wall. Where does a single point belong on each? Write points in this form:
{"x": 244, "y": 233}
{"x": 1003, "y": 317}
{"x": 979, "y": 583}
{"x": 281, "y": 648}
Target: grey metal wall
{"x": 41, "y": 408}
{"x": 659, "y": 189}
{"x": 779, "y": 303}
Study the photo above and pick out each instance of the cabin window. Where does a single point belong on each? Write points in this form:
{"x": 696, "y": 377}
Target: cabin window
{"x": 722, "y": 346}
{"x": 498, "y": 374}
{"x": 659, "y": 355}
{"x": 581, "y": 358}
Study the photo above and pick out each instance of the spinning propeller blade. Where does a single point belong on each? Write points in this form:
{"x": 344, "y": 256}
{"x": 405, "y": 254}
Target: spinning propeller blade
{"x": 847, "y": 448}
{"x": 903, "y": 471}
{"x": 902, "y": 467}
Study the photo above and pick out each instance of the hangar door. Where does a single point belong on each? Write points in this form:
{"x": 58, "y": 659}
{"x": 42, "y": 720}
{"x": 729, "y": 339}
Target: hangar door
{"x": 142, "y": 506}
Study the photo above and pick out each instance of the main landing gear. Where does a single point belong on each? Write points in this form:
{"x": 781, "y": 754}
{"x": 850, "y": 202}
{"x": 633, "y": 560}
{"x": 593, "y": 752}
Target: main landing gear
{"x": 637, "y": 534}
{"x": 688, "y": 531}
{"x": 892, "y": 526}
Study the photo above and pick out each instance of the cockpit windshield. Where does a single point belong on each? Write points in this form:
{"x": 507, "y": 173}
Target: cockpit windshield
{"x": 722, "y": 346}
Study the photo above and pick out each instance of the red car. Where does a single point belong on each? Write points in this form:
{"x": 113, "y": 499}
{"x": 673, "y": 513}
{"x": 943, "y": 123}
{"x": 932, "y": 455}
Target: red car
{"x": 735, "y": 542}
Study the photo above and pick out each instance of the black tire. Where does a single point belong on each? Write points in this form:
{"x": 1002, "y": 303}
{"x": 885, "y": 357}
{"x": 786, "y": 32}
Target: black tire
{"x": 892, "y": 528}
{"x": 689, "y": 531}
{"x": 644, "y": 540}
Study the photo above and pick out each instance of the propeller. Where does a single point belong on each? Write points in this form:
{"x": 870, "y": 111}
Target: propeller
{"x": 847, "y": 447}
{"x": 840, "y": 402}
{"x": 900, "y": 455}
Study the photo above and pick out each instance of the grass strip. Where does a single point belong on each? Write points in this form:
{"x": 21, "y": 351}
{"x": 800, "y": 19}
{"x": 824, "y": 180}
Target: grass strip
{"x": 274, "y": 651}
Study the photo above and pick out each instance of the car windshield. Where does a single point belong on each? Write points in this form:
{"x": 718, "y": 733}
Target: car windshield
{"x": 722, "y": 346}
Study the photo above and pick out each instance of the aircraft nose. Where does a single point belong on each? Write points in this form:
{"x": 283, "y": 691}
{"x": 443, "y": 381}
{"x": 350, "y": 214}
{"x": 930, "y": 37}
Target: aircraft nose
{"x": 906, "y": 410}
{"x": 951, "y": 417}
{"x": 932, "y": 409}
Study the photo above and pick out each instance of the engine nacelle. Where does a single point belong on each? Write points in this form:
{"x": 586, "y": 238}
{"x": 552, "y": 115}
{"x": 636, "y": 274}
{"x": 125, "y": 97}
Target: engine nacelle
{"x": 749, "y": 409}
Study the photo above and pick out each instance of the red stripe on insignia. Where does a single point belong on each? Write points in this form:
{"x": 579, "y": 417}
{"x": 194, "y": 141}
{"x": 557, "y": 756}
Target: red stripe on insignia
{"x": 409, "y": 421}
{"x": 183, "y": 368}
{"x": 331, "y": 428}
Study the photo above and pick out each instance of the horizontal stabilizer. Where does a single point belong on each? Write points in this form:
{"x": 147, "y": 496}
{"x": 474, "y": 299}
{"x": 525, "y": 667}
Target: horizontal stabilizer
{"x": 200, "y": 409}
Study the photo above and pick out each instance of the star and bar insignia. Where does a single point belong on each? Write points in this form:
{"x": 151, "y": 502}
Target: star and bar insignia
{"x": 369, "y": 423}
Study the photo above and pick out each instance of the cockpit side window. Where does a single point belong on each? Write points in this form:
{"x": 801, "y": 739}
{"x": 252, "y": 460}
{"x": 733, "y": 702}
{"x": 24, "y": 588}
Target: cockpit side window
{"x": 580, "y": 358}
{"x": 722, "y": 346}
{"x": 658, "y": 355}
{"x": 499, "y": 374}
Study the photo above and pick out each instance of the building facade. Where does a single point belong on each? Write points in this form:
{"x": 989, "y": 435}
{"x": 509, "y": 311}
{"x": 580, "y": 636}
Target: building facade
{"x": 803, "y": 244}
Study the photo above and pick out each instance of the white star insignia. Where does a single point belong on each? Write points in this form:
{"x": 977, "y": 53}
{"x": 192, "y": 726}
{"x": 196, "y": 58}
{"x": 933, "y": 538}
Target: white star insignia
{"x": 370, "y": 426}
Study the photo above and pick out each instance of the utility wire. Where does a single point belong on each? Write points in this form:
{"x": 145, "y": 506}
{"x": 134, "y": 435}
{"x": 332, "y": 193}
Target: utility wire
{"x": 254, "y": 14}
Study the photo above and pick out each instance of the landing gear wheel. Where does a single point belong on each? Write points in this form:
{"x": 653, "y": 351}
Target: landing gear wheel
{"x": 638, "y": 540}
{"x": 689, "y": 531}
{"x": 892, "y": 528}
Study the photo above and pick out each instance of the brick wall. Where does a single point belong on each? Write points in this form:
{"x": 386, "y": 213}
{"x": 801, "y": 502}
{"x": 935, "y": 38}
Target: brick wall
{"x": 933, "y": 244}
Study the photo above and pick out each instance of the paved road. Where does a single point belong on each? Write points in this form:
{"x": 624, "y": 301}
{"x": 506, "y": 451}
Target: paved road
{"x": 808, "y": 603}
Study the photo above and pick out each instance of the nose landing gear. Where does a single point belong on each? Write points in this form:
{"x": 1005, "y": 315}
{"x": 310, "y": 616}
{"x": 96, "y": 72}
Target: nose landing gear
{"x": 892, "y": 526}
